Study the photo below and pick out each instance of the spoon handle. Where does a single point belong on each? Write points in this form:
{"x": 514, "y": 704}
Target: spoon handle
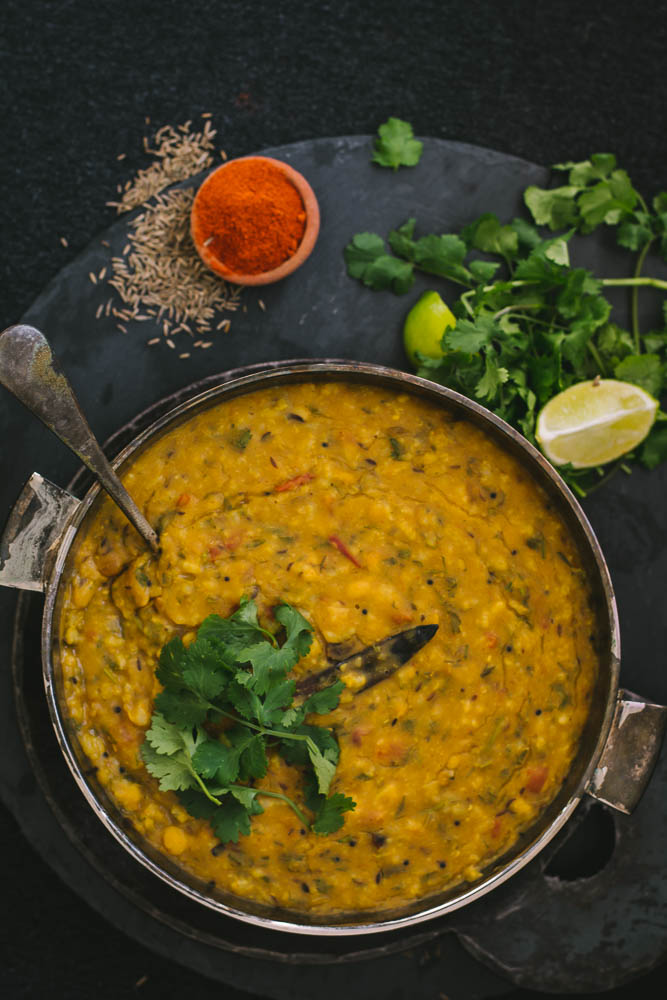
{"x": 29, "y": 370}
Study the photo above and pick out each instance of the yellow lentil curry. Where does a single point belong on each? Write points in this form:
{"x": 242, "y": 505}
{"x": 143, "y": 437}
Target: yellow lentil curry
{"x": 369, "y": 511}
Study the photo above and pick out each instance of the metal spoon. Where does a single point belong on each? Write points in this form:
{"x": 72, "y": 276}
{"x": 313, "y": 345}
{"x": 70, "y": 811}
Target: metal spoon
{"x": 29, "y": 370}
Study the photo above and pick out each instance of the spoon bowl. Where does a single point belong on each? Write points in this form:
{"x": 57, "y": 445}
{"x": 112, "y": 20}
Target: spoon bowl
{"x": 29, "y": 370}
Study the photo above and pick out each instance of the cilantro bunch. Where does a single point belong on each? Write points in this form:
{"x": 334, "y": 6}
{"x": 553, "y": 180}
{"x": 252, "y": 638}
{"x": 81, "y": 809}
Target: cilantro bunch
{"x": 529, "y": 322}
{"x": 227, "y": 700}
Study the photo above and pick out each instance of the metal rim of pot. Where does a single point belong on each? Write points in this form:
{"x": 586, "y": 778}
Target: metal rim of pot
{"x": 622, "y": 729}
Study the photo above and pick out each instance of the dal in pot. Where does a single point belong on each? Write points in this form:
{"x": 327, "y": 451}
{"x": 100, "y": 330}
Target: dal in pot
{"x": 369, "y": 510}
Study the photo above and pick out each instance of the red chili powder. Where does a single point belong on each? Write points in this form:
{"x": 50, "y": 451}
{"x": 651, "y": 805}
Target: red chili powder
{"x": 250, "y": 216}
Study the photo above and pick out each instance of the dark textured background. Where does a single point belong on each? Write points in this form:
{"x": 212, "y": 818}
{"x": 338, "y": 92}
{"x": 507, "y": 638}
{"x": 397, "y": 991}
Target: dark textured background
{"x": 547, "y": 82}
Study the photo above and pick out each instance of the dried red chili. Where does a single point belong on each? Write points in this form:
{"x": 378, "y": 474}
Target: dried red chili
{"x": 343, "y": 549}
{"x": 250, "y": 216}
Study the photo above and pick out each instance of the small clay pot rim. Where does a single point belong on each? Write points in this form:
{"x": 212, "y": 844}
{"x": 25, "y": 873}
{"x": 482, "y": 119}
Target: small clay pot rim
{"x": 311, "y": 231}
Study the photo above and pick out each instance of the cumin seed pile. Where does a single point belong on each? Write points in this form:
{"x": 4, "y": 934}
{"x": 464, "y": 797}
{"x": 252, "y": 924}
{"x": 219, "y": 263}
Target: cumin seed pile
{"x": 179, "y": 153}
{"x": 159, "y": 275}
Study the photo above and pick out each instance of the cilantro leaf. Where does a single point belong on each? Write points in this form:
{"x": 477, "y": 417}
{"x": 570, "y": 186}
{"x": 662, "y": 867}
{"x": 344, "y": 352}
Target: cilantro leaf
{"x": 598, "y": 167}
{"x": 167, "y": 753}
{"x": 329, "y": 817}
{"x": 253, "y": 759}
{"x": 488, "y": 235}
{"x": 470, "y": 337}
{"x": 299, "y": 631}
{"x": 170, "y": 662}
{"x": 555, "y": 208}
{"x": 443, "y": 255}
{"x": 483, "y": 270}
{"x": 364, "y": 249}
{"x": 528, "y": 235}
{"x": 244, "y": 701}
{"x": 200, "y": 671}
{"x": 278, "y": 697}
{"x": 614, "y": 343}
{"x": 173, "y": 772}
{"x": 213, "y": 760}
{"x": 402, "y": 241}
{"x": 606, "y": 202}
{"x": 261, "y": 656}
{"x": 654, "y": 449}
{"x": 577, "y": 283}
{"x": 644, "y": 370}
{"x": 494, "y": 376}
{"x": 181, "y": 707}
{"x": 322, "y": 702}
{"x": 323, "y": 767}
{"x": 248, "y": 799}
{"x": 396, "y": 146}
{"x": 367, "y": 259}
{"x": 197, "y": 804}
{"x": 230, "y": 820}
{"x": 230, "y": 635}
{"x": 163, "y": 736}
{"x": 241, "y": 439}
{"x": 636, "y": 232}
{"x": 389, "y": 272}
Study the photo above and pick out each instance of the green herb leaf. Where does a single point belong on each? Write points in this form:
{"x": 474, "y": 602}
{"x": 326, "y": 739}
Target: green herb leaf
{"x": 165, "y": 759}
{"x": 323, "y": 767}
{"x": 364, "y": 249}
{"x": 197, "y": 804}
{"x": 443, "y": 255}
{"x": 230, "y": 820}
{"x": 213, "y": 760}
{"x": 172, "y": 656}
{"x": 555, "y": 208}
{"x": 324, "y": 701}
{"x": 494, "y": 376}
{"x": 181, "y": 707}
{"x": 201, "y": 671}
{"x": 483, "y": 270}
{"x": 488, "y": 235}
{"x": 471, "y": 336}
{"x": 254, "y": 762}
{"x": 396, "y": 146}
{"x": 401, "y": 240}
{"x": 329, "y": 817}
{"x": 636, "y": 232}
{"x": 163, "y": 736}
{"x": 241, "y": 439}
{"x": 654, "y": 449}
{"x": 645, "y": 370}
{"x": 367, "y": 259}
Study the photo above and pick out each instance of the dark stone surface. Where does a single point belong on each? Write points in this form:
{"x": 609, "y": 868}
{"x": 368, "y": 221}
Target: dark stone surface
{"x": 541, "y": 82}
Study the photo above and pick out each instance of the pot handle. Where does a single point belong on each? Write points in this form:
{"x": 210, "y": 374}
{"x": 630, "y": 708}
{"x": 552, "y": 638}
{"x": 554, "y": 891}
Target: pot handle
{"x": 33, "y": 532}
{"x": 630, "y": 753}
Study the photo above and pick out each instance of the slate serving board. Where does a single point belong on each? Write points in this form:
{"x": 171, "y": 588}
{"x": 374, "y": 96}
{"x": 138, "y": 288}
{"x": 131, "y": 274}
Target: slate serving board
{"x": 539, "y": 930}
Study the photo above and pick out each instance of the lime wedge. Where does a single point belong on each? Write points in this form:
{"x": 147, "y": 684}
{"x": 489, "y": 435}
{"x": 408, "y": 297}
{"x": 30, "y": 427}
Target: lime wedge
{"x": 424, "y": 326}
{"x": 594, "y": 422}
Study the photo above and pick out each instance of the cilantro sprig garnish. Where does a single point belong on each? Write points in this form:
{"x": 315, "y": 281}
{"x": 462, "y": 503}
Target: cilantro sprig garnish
{"x": 396, "y": 145}
{"x": 226, "y": 703}
{"x": 530, "y": 323}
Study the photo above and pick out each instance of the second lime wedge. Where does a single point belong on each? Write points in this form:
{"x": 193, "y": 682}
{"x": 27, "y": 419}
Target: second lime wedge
{"x": 594, "y": 422}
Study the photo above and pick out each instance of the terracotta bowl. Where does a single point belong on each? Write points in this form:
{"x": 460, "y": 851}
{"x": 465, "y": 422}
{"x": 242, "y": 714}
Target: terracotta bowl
{"x": 304, "y": 249}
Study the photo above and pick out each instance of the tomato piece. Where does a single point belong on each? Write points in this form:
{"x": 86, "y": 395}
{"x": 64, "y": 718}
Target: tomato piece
{"x": 536, "y": 778}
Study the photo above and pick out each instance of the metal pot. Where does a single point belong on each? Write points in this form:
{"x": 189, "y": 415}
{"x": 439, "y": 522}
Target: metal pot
{"x": 619, "y": 746}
